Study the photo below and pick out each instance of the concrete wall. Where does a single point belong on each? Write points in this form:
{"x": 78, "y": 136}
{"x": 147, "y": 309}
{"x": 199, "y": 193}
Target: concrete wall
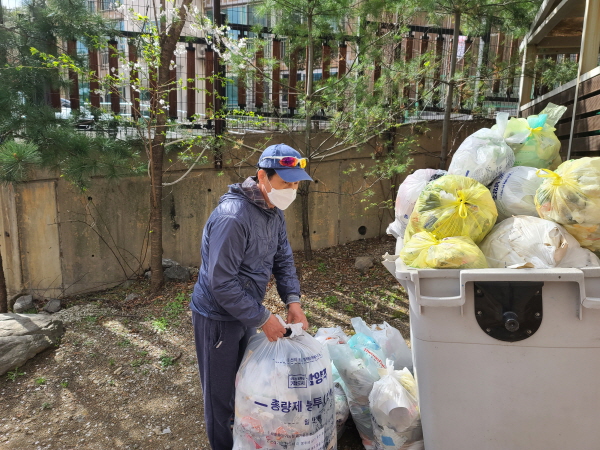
{"x": 56, "y": 240}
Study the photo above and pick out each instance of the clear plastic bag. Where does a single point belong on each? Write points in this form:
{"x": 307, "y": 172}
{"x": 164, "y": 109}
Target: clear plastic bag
{"x": 367, "y": 349}
{"x": 425, "y": 251}
{"x": 395, "y": 411}
{"x": 407, "y": 196}
{"x": 284, "y": 395}
{"x": 484, "y": 155}
{"x": 530, "y": 242}
{"x": 342, "y": 410}
{"x": 390, "y": 339}
{"x": 358, "y": 383}
{"x": 571, "y": 197}
{"x": 533, "y": 139}
{"x": 514, "y": 192}
{"x": 453, "y": 206}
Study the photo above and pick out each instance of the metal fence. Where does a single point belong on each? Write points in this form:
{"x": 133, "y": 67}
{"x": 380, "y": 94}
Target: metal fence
{"x": 488, "y": 67}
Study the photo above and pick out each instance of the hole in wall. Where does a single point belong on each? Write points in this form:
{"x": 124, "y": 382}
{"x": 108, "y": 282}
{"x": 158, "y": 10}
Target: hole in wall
{"x": 209, "y": 190}
{"x": 362, "y": 230}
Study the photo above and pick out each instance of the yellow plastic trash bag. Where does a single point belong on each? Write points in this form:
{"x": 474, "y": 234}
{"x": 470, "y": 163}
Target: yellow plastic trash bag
{"x": 571, "y": 197}
{"x": 453, "y": 206}
{"x": 425, "y": 251}
{"x": 533, "y": 139}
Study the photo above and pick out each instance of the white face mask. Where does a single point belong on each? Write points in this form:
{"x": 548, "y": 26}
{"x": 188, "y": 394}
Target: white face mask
{"x": 282, "y": 198}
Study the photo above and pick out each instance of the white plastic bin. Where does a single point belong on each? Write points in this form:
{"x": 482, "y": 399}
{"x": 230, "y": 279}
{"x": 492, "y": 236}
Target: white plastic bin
{"x": 479, "y": 392}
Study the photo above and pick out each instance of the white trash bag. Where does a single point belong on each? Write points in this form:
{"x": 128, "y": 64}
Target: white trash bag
{"x": 407, "y": 196}
{"x": 389, "y": 338}
{"x": 342, "y": 410}
{"x": 284, "y": 396}
{"x": 484, "y": 155}
{"x": 395, "y": 411}
{"x": 530, "y": 242}
{"x": 358, "y": 383}
{"x": 514, "y": 192}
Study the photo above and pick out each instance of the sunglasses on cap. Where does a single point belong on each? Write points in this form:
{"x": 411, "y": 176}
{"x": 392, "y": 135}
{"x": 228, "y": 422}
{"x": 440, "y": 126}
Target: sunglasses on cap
{"x": 289, "y": 161}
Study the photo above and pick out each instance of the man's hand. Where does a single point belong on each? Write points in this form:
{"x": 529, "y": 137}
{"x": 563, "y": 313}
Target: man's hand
{"x": 273, "y": 328}
{"x": 296, "y": 315}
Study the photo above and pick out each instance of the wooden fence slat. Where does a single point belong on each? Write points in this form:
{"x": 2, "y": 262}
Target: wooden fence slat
{"x": 586, "y": 125}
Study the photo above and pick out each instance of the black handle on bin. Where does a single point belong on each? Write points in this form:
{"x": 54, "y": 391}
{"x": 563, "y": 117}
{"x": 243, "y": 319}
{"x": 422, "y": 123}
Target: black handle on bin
{"x": 511, "y": 321}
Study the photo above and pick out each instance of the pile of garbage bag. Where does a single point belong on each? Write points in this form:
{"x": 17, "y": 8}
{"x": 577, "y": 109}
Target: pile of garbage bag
{"x": 359, "y": 363}
{"x": 534, "y": 210}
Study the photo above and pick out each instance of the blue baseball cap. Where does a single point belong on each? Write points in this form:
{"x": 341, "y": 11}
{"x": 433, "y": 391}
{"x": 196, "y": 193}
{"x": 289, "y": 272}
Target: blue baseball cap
{"x": 273, "y": 158}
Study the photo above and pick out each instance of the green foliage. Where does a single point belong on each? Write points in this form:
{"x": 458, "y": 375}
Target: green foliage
{"x": 331, "y": 301}
{"x": 172, "y": 311}
{"x": 14, "y": 374}
{"x": 166, "y": 361}
{"x": 40, "y": 381}
{"x": 17, "y": 159}
{"x": 124, "y": 343}
{"x": 160, "y": 325}
{"x": 553, "y": 73}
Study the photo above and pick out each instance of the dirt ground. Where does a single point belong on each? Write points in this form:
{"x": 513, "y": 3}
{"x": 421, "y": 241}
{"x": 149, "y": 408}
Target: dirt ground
{"x": 125, "y": 375}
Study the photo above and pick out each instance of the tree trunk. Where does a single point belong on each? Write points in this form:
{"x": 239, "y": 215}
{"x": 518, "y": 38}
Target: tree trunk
{"x": 168, "y": 42}
{"x": 156, "y": 176}
{"x": 3, "y": 293}
{"x": 304, "y": 190}
{"x": 451, "y": 83}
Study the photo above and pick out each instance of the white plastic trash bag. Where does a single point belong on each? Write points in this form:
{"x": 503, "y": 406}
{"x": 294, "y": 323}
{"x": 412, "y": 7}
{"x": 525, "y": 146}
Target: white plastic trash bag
{"x": 484, "y": 155}
{"x": 389, "y": 338}
{"x": 395, "y": 411}
{"x": 284, "y": 395}
{"x": 407, "y": 196}
{"x": 531, "y": 242}
{"x": 342, "y": 410}
{"x": 514, "y": 192}
{"x": 358, "y": 383}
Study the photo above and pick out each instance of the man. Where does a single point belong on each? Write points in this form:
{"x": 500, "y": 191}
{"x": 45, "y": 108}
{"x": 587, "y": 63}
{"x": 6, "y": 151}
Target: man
{"x": 243, "y": 243}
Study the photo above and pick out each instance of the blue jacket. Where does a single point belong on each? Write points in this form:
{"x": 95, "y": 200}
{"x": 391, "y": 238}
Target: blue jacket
{"x": 242, "y": 245}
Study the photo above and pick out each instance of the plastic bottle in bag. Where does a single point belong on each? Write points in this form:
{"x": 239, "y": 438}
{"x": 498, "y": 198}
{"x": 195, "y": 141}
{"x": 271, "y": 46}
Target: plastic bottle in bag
{"x": 484, "y": 155}
{"x": 284, "y": 395}
{"x": 453, "y": 206}
{"x": 395, "y": 411}
{"x": 514, "y": 192}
